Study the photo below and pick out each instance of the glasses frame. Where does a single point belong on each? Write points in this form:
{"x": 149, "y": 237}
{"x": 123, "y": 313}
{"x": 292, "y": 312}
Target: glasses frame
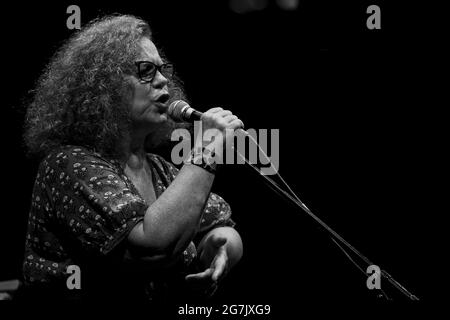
{"x": 157, "y": 68}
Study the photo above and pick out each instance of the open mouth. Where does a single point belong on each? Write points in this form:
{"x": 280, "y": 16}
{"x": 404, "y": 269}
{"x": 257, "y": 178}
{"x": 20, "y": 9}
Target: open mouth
{"x": 163, "y": 98}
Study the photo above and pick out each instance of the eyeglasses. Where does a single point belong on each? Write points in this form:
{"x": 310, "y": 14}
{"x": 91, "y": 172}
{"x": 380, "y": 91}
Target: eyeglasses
{"x": 146, "y": 70}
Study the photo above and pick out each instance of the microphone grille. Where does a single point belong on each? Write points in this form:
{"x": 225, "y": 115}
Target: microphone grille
{"x": 175, "y": 110}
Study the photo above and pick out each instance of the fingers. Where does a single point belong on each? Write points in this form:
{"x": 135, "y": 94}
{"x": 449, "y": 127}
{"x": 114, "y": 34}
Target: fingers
{"x": 236, "y": 124}
{"x": 217, "y": 113}
{"x": 223, "y": 113}
{"x": 202, "y": 282}
{"x": 220, "y": 266}
{"x": 224, "y": 121}
{"x": 208, "y": 280}
{"x": 204, "y": 276}
{"x": 225, "y": 118}
{"x": 230, "y": 118}
{"x": 214, "y": 110}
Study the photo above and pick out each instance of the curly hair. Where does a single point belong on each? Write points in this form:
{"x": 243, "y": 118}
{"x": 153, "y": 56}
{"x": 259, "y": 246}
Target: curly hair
{"x": 81, "y": 98}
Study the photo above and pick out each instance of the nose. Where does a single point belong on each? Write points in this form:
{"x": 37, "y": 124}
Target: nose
{"x": 159, "y": 81}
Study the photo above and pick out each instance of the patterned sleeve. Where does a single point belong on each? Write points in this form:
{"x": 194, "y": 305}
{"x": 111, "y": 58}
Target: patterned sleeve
{"x": 93, "y": 201}
{"x": 217, "y": 212}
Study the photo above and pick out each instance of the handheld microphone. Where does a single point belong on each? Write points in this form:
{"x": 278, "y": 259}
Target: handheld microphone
{"x": 181, "y": 111}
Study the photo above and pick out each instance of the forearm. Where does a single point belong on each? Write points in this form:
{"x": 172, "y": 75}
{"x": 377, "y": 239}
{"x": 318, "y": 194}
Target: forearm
{"x": 171, "y": 221}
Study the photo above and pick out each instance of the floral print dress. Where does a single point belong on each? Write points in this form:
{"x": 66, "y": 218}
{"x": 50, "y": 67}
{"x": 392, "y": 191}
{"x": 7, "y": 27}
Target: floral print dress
{"x": 83, "y": 207}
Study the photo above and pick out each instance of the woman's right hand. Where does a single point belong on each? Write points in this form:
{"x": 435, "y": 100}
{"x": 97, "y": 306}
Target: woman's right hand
{"x": 224, "y": 121}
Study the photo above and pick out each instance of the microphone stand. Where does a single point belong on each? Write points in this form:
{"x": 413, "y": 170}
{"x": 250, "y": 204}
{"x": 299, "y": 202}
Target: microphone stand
{"x": 335, "y": 237}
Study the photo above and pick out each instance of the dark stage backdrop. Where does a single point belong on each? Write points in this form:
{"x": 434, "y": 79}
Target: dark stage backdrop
{"x": 351, "y": 135}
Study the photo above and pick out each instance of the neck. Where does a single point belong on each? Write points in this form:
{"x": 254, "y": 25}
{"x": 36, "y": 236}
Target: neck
{"x": 135, "y": 151}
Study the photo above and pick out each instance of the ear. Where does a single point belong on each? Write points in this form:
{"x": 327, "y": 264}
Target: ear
{"x": 132, "y": 80}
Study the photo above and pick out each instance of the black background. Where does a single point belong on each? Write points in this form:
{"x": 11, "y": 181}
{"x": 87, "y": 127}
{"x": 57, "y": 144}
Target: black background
{"x": 353, "y": 120}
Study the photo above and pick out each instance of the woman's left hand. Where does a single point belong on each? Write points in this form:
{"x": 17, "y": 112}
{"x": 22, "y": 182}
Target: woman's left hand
{"x": 214, "y": 257}
{"x": 219, "y": 250}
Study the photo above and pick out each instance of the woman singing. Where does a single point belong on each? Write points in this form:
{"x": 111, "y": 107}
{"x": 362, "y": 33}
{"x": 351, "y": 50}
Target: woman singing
{"x": 124, "y": 222}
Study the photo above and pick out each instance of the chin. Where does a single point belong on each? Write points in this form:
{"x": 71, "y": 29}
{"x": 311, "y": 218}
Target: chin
{"x": 158, "y": 119}
{"x": 163, "y": 117}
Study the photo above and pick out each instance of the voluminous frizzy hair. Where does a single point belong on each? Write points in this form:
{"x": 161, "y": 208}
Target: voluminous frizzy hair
{"x": 82, "y": 97}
